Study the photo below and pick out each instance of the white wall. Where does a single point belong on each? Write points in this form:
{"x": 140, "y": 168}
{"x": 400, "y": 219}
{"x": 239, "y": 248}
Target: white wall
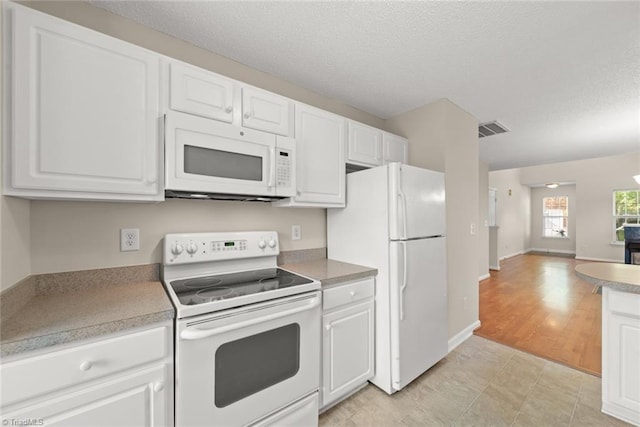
{"x": 67, "y": 236}
{"x": 15, "y": 247}
{"x": 595, "y": 181}
{"x": 427, "y": 139}
{"x": 553, "y": 244}
{"x": 444, "y": 137}
{"x": 513, "y": 212}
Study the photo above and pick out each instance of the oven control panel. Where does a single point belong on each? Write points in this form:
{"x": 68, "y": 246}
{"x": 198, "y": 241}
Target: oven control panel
{"x": 202, "y": 247}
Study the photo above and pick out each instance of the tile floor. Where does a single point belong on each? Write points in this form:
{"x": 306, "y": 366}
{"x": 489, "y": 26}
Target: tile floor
{"x": 481, "y": 383}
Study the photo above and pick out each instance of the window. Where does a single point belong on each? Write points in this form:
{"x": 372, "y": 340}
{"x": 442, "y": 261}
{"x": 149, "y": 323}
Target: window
{"x": 626, "y": 210}
{"x": 555, "y": 216}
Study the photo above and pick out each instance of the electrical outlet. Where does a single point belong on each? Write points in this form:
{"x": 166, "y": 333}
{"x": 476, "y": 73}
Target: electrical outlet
{"x": 296, "y": 232}
{"x": 129, "y": 239}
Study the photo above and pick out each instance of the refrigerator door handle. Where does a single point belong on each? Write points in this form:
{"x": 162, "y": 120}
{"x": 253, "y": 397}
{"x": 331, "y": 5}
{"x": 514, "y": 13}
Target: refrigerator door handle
{"x": 404, "y": 278}
{"x": 402, "y": 204}
{"x": 403, "y": 200}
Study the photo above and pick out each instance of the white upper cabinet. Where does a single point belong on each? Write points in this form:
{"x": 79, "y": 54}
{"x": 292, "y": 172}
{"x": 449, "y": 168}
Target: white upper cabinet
{"x": 395, "y": 148}
{"x": 365, "y": 145}
{"x": 320, "y": 145}
{"x": 262, "y": 110}
{"x": 200, "y": 92}
{"x": 83, "y": 113}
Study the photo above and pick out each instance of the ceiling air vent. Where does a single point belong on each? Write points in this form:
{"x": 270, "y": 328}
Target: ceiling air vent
{"x": 491, "y": 128}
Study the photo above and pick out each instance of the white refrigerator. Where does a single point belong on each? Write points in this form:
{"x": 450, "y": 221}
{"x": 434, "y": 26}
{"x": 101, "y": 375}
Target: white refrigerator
{"x": 395, "y": 221}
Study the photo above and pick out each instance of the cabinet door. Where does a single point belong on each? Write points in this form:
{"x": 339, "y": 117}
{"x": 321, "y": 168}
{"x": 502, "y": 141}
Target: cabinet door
{"x": 321, "y": 161}
{"x": 200, "y": 92}
{"x": 266, "y": 111}
{"x": 347, "y": 350}
{"x": 365, "y": 145}
{"x": 85, "y": 113}
{"x": 621, "y": 355}
{"x": 139, "y": 399}
{"x": 395, "y": 148}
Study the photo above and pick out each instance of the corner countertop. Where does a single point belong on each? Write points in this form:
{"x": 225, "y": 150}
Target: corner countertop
{"x": 48, "y": 319}
{"x": 330, "y": 272}
{"x": 621, "y": 277}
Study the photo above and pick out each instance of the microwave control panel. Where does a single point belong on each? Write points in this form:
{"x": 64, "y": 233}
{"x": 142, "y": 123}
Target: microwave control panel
{"x": 285, "y": 165}
{"x": 283, "y": 168}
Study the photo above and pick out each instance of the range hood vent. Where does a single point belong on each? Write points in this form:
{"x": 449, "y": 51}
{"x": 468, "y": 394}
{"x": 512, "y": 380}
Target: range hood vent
{"x": 170, "y": 194}
{"x": 491, "y": 128}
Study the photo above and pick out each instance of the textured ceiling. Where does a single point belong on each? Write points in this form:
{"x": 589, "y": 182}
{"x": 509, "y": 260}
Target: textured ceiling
{"x": 563, "y": 76}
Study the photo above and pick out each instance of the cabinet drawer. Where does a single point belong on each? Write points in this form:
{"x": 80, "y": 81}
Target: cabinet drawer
{"x": 624, "y": 303}
{"x": 347, "y": 293}
{"x": 49, "y": 372}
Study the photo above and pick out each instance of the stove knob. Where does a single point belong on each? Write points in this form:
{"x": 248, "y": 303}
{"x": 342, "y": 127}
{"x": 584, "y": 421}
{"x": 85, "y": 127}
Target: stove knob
{"x": 262, "y": 244}
{"x": 177, "y": 249}
{"x": 192, "y": 248}
{"x": 272, "y": 243}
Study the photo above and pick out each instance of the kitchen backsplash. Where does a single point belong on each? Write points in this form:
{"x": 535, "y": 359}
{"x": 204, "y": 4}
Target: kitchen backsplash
{"x": 288, "y": 257}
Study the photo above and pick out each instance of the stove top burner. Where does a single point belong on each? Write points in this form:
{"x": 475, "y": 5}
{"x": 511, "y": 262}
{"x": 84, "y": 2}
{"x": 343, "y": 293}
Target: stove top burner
{"x": 215, "y": 293}
{"x": 202, "y": 290}
{"x": 201, "y": 282}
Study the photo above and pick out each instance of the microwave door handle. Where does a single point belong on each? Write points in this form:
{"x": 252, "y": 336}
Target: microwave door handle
{"x": 196, "y": 334}
{"x": 272, "y": 161}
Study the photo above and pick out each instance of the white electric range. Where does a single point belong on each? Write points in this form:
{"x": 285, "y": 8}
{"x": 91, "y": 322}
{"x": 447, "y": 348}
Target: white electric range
{"x": 247, "y": 333}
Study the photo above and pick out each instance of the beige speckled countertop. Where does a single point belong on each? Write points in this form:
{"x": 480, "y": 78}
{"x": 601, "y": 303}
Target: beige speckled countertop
{"x": 330, "y": 272}
{"x": 48, "y": 318}
{"x": 621, "y": 277}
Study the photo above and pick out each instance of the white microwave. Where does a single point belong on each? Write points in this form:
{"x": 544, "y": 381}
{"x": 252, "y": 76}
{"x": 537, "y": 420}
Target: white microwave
{"x": 209, "y": 159}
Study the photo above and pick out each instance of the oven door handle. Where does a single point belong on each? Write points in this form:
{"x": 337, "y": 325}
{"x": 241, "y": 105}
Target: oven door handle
{"x": 196, "y": 334}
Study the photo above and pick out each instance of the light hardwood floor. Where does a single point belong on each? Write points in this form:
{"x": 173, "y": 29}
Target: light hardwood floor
{"x": 537, "y": 304}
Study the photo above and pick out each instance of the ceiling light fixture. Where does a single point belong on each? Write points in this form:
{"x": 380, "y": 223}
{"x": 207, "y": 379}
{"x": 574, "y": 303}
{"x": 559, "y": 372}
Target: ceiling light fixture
{"x": 637, "y": 178}
{"x": 552, "y": 185}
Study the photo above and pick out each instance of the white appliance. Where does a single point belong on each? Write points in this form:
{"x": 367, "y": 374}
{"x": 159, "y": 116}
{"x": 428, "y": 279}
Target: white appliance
{"x": 247, "y": 333}
{"x": 395, "y": 221}
{"x": 210, "y": 159}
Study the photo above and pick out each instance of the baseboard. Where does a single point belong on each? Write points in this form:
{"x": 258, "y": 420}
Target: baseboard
{"x": 494, "y": 267}
{"x": 514, "y": 254}
{"x": 617, "y": 261}
{"x": 620, "y": 413}
{"x": 484, "y": 277}
{"x": 463, "y": 335}
{"x": 553, "y": 251}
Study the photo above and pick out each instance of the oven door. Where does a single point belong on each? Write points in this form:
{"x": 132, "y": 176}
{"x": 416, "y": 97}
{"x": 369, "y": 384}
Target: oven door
{"x": 237, "y": 366}
{"x": 213, "y": 157}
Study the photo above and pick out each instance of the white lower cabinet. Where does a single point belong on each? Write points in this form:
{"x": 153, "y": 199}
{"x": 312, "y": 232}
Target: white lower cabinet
{"x": 621, "y": 355}
{"x": 348, "y": 339}
{"x": 295, "y": 415}
{"x": 127, "y": 400}
{"x": 121, "y": 380}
